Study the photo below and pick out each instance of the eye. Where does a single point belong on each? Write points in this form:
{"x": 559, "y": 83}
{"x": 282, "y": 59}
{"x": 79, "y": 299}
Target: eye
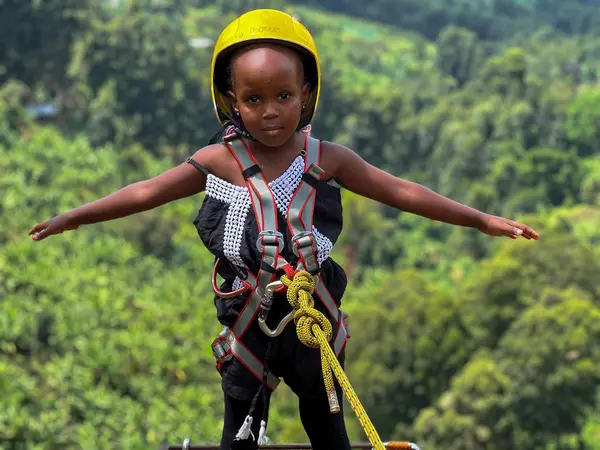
{"x": 285, "y": 96}
{"x": 253, "y": 99}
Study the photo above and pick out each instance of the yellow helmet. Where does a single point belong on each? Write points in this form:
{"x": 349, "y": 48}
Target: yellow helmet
{"x": 264, "y": 25}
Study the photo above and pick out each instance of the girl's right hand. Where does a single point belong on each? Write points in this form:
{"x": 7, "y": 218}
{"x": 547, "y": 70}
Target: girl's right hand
{"x": 56, "y": 225}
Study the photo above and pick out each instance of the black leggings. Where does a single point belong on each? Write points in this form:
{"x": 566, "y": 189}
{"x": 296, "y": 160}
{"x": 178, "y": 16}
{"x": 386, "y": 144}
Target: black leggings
{"x": 326, "y": 431}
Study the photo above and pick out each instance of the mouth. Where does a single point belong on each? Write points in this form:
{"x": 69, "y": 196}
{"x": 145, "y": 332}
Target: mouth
{"x": 272, "y": 128}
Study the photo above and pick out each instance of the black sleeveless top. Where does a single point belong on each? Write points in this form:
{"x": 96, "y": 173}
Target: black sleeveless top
{"x": 227, "y": 226}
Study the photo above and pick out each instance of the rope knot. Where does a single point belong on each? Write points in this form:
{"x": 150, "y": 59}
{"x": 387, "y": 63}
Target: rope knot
{"x": 300, "y": 295}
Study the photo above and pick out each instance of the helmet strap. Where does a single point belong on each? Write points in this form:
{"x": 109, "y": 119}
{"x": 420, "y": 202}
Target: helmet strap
{"x": 240, "y": 129}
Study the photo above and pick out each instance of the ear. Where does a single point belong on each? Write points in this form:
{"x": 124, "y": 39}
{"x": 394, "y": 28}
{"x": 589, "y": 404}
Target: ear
{"x": 232, "y": 99}
{"x": 305, "y": 93}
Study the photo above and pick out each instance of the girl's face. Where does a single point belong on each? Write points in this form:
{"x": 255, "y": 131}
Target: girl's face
{"x": 269, "y": 92}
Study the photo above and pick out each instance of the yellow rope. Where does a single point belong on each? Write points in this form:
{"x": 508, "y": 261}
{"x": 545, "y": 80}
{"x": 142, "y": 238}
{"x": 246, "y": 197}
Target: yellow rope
{"x": 314, "y": 330}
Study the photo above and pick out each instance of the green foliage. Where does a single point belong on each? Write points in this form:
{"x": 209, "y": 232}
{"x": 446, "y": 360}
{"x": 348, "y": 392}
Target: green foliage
{"x": 131, "y": 81}
{"x": 489, "y": 19}
{"x": 533, "y": 391}
{"x": 418, "y": 342}
{"x": 583, "y": 119}
{"x": 459, "y": 341}
{"x": 37, "y": 37}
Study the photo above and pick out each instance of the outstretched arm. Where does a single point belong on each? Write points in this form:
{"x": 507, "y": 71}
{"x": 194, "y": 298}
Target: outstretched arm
{"x": 179, "y": 182}
{"x": 356, "y": 175}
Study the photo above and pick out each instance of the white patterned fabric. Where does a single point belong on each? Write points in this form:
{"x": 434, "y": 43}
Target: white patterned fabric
{"x": 284, "y": 187}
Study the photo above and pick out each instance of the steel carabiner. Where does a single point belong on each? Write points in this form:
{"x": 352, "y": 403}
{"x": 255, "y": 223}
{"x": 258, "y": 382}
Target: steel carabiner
{"x": 265, "y": 307}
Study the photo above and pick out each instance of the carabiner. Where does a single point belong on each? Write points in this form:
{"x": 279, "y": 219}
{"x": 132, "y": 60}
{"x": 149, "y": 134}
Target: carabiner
{"x": 265, "y": 307}
{"x": 272, "y": 333}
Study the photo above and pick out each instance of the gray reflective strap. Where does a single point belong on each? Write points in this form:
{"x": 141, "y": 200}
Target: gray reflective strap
{"x": 242, "y": 154}
{"x": 300, "y": 212}
{"x": 263, "y": 196}
{"x": 307, "y": 252}
{"x": 248, "y": 313}
{"x": 308, "y": 210}
{"x": 256, "y": 205}
{"x": 312, "y": 152}
{"x": 314, "y": 149}
{"x": 247, "y": 358}
{"x": 250, "y": 279}
{"x": 301, "y": 209}
{"x": 342, "y": 336}
{"x": 295, "y": 216}
{"x": 326, "y": 298}
{"x": 260, "y": 193}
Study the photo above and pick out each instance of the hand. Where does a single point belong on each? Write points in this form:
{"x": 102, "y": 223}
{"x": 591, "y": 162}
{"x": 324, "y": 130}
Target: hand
{"x": 56, "y": 225}
{"x": 498, "y": 226}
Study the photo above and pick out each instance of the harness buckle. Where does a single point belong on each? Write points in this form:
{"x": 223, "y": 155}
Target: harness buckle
{"x": 270, "y": 237}
{"x": 345, "y": 323}
{"x": 302, "y": 240}
{"x": 221, "y": 348}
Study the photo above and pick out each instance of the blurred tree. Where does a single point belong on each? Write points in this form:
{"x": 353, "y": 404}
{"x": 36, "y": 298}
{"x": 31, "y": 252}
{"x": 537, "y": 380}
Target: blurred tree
{"x": 405, "y": 345}
{"x": 36, "y": 39}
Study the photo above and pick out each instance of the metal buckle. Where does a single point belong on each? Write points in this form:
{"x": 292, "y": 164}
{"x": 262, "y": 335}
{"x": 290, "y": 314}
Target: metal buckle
{"x": 345, "y": 324}
{"x": 221, "y": 349}
{"x": 278, "y": 240}
{"x": 299, "y": 236}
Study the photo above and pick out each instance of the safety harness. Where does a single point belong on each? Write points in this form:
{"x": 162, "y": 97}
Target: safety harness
{"x": 300, "y": 283}
{"x": 270, "y": 243}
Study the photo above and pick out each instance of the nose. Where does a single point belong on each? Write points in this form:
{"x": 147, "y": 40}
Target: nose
{"x": 270, "y": 111}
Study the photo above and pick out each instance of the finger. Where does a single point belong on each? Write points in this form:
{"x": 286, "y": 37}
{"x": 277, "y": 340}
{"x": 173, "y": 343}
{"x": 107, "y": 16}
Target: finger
{"x": 42, "y": 234}
{"x": 528, "y": 232}
{"x": 514, "y": 231}
{"x": 38, "y": 227}
{"x": 38, "y": 236}
{"x": 518, "y": 232}
{"x": 509, "y": 231}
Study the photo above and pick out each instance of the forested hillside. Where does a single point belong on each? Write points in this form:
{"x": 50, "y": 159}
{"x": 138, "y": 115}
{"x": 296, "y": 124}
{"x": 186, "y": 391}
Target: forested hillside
{"x": 459, "y": 341}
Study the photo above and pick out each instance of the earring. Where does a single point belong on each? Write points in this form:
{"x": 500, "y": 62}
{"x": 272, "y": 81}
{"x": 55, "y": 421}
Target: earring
{"x": 303, "y": 106}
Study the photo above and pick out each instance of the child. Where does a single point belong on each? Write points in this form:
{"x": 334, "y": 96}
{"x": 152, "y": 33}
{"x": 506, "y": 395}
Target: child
{"x": 273, "y": 205}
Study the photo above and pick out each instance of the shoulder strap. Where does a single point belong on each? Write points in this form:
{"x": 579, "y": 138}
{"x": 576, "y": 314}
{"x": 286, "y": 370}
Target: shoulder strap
{"x": 302, "y": 206}
{"x": 270, "y": 241}
{"x": 262, "y": 198}
{"x": 313, "y": 152}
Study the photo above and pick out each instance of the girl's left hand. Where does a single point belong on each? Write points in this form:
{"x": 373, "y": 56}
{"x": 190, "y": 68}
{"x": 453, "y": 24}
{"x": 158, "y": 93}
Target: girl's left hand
{"x": 498, "y": 226}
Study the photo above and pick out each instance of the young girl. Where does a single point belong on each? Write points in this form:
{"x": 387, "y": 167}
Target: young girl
{"x": 273, "y": 206}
